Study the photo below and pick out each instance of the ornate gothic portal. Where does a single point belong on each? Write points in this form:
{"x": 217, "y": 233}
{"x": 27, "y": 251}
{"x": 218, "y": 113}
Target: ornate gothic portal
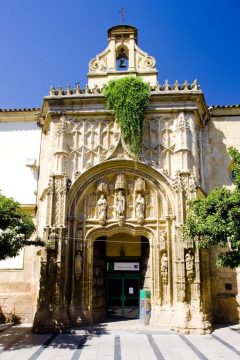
{"x": 111, "y": 223}
{"x": 122, "y": 236}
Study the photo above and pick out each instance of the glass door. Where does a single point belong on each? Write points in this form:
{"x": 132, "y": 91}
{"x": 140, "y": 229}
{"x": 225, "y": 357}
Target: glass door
{"x": 131, "y": 298}
{"x": 123, "y": 296}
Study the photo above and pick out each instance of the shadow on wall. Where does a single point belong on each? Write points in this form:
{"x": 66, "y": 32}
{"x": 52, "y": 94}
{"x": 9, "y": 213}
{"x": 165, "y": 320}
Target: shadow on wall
{"x": 226, "y": 308}
{"x": 225, "y": 296}
{"x": 9, "y": 318}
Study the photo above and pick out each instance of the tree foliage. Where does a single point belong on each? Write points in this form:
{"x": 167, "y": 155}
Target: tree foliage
{"x": 215, "y": 219}
{"x": 16, "y": 227}
{"x": 128, "y": 97}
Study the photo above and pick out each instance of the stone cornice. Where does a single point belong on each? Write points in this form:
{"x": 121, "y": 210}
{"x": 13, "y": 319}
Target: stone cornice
{"x": 161, "y": 101}
{"x": 228, "y": 110}
{"x": 19, "y": 115}
{"x": 30, "y": 208}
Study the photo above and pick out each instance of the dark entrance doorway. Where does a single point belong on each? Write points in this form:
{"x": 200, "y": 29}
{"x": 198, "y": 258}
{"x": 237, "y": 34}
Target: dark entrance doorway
{"x": 120, "y": 269}
{"x": 123, "y": 295}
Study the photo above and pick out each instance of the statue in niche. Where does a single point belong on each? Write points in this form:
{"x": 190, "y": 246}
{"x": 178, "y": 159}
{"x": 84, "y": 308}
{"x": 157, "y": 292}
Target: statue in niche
{"x": 162, "y": 239}
{"x": 139, "y": 207}
{"x": 78, "y": 265}
{"x": 164, "y": 267}
{"x": 189, "y": 260}
{"x": 120, "y": 204}
{"x": 52, "y": 240}
{"x": 164, "y": 263}
{"x": 52, "y": 267}
{"x": 102, "y": 209}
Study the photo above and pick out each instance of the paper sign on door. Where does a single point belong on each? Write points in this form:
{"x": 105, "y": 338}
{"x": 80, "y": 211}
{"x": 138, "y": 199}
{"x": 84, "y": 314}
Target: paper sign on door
{"x": 130, "y": 290}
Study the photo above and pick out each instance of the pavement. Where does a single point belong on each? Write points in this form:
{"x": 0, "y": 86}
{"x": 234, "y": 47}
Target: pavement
{"x": 123, "y": 340}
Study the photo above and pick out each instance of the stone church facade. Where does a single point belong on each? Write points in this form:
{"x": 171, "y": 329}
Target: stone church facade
{"x": 110, "y": 223}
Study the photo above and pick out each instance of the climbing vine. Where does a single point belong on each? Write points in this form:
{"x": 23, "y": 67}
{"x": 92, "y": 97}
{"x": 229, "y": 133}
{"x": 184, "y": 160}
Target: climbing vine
{"x": 128, "y": 97}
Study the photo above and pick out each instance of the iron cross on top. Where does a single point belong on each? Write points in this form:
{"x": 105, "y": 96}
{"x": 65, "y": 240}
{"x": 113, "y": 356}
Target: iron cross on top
{"x": 122, "y": 13}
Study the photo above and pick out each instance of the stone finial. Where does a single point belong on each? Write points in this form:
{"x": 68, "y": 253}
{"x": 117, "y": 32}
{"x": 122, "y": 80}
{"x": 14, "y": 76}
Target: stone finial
{"x": 60, "y": 91}
{"x": 86, "y": 89}
{"x": 176, "y": 85}
{"x": 102, "y": 187}
{"x": 120, "y": 182}
{"x": 185, "y": 85}
{"x": 166, "y": 86}
{"x": 52, "y": 91}
{"x": 195, "y": 85}
{"x": 95, "y": 89}
{"x": 157, "y": 88}
{"x": 68, "y": 90}
{"x": 140, "y": 185}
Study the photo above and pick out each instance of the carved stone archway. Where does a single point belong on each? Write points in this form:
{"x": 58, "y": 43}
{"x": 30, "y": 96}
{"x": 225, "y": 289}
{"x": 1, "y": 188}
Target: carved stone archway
{"x": 84, "y": 225}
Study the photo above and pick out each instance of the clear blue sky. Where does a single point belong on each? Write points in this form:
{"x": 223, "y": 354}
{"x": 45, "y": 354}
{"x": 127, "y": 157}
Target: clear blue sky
{"x": 49, "y": 42}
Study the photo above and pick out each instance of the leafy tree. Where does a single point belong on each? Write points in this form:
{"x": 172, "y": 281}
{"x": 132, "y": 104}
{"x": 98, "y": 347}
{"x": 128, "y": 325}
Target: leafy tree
{"x": 16, "y": 227}
{"x": 128, "y": 97}
{"x": 215, "y": 219}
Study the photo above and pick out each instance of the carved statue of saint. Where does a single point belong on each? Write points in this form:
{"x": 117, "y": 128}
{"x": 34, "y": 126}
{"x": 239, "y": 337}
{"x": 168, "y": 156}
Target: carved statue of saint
{"x": 78, "y": 265}
{"x": 52, "y": 240}
{"x": 52, "y": 267}
{"x": 189, "y": 260}
{"x": 102, "y": 208}
{"x": 140, "y": 203}
{"x": 164, "y": 268}
{"x": 120, "y": 204}
{"x": 164, "y": 263}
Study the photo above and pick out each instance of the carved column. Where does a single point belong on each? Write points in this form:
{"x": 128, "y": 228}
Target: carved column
{"x": 61, "y": 151}
{"x": 131, "y": 63}
{"x": 183, "y": 146}
{"x": 51, "y": 314}
{"x": 112, "y": 54}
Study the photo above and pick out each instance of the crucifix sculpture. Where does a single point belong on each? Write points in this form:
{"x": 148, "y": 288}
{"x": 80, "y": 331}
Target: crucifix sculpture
{"x": 122, "y": 13}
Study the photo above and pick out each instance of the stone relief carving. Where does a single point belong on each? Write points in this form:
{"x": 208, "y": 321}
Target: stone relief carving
{"x": 97, "y": 65}
{"x": 184, "y": 181}
{"x": 65, "y": 126}
{"x": 159, "y": 142}
{"x": 91, "y": 141}
{"x": 182, "y": 123}
{"x": 192, "y": 183}
{"x": 143, "y": 60}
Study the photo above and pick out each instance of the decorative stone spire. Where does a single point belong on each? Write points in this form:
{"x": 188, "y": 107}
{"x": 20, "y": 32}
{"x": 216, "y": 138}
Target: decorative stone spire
{"x": 122, "y": 57}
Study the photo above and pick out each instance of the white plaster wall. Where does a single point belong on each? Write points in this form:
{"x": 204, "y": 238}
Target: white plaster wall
{"x": 224, "y": 132}
{"x": 18, "y": 142}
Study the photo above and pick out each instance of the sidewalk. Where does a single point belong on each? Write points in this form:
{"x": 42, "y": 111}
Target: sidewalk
{"x": 124, "y": 340}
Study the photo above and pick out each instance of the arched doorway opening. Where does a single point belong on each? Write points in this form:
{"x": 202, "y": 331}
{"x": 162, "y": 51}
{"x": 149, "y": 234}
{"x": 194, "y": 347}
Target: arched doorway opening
{"x": 121, "y": 267}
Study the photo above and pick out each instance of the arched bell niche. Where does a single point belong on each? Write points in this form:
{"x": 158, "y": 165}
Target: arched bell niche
{"x": 122, "y": 57}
